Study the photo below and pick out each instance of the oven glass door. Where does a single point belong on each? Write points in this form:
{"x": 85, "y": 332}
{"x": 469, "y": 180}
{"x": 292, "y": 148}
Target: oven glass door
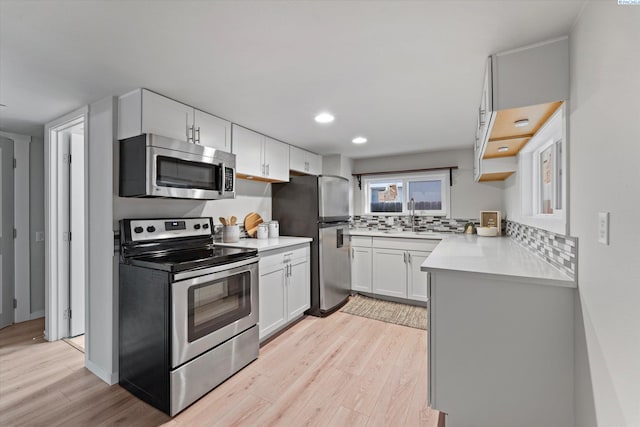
{"x": 179, "y": 173}
{"x": 212, "y": 306}
{"x": 216, "y": 304}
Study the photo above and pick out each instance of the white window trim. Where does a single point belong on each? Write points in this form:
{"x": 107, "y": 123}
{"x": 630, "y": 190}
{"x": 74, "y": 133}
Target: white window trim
{"x": 405, "y": 178}
{"x": 552, "y": 131}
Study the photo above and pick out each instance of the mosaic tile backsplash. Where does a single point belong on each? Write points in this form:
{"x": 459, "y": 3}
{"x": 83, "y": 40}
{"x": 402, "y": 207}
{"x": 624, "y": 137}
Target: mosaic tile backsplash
{"x": 558, "y": 250}
{"x": 423, "y": 223}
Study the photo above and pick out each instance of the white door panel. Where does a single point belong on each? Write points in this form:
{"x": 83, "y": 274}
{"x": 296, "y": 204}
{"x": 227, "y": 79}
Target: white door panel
{"x": 6, "y": 233}
{"x": 77, "y": 257}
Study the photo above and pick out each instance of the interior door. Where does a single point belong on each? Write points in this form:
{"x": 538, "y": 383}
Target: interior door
{"x": 6, "y": 233}
{"x": 77, "y": 227}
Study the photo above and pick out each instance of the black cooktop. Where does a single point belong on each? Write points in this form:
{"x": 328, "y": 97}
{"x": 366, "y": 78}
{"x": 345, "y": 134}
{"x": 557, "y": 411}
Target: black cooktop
{"x": 192, "y": 259}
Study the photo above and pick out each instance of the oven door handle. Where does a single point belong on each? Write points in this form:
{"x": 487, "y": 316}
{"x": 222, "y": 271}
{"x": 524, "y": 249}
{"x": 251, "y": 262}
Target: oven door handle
{"x": 205, "y": 274}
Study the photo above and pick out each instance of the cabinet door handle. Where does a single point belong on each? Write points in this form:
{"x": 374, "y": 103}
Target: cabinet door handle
{"x": 409, "y": 257}
{"x": 267, "y": 169}
{"x": 197, "y": 135}
{"x": 189, "y": 133}
{"x": 404, "y": 257}
{"x": 481, "y": 116}
{"x": 353, "y": 253}
{"x": 263, "y": 168}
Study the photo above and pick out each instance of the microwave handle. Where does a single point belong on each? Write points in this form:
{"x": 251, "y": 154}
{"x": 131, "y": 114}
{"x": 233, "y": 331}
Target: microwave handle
{"x": 222, "y": 176}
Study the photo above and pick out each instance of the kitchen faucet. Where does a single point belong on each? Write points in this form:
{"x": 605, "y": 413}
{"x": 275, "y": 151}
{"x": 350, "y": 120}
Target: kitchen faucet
{"x": 412, "y": 204}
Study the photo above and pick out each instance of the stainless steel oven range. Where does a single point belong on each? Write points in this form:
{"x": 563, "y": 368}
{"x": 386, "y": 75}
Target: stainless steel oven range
{"x": 188, "y": 310}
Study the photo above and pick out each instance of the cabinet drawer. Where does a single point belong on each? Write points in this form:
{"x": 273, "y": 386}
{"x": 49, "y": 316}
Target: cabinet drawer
{"x": 405, "y": 244}
{"x": 284, "y": 255}
{"x": 362, "y": 241}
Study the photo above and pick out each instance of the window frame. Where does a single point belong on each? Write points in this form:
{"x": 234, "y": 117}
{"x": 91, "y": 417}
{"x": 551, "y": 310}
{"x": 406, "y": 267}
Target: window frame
{"x": 441, "y": 176}
{"x": 551, "y": 133}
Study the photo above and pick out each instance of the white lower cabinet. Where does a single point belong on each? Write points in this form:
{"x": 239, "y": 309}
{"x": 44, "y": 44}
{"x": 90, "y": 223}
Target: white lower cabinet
{"x": 361, "y": 269}
{"x": 390, "y": 266}
{"x": 298, "y": 288}
{"x": 390, "y": 272}
{"x": 284, "y": 288}
{"x": 272, "y": 297}
{"x": 417, "y": 281}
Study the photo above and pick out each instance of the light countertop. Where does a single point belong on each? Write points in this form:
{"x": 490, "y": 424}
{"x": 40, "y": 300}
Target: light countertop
{"x": 495, "y": 256}
{"x": 266, "y": 244}
{"x": 425, "y": 235}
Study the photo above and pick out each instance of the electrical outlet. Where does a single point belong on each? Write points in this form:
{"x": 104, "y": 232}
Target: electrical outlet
{"x": 603, "y": 227}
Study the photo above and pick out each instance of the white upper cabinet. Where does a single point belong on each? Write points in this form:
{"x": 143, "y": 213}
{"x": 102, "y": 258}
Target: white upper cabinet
{"x": 143, "y": 111}
{"x": 247, "y": 146}
{"x": 527, "y": 83}
{"x": 304, "y": 161}
{"x": 260, "y": 157}
{"x": 212, "y": 131}
{"x": 276, "y": 160}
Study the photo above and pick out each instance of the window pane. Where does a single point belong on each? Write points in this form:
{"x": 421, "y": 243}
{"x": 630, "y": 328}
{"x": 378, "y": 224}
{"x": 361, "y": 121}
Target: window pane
{"x": 546, "y": 180}
{"x": 385, "y": 197}
{"x": 426, "y": 194}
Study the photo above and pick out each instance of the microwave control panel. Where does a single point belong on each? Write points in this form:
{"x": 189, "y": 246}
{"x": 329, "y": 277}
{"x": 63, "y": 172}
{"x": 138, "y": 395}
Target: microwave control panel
{"x": 228, "y": 179}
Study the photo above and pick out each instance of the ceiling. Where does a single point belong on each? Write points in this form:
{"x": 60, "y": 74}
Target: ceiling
{"x": 405, "y": 74}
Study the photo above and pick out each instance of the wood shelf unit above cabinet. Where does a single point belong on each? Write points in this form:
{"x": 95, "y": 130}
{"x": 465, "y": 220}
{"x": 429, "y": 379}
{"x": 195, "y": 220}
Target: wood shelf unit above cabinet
{"x": 505, "y": 134}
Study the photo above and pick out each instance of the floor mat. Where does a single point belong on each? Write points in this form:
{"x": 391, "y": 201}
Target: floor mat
{"x": 387, "y": 311}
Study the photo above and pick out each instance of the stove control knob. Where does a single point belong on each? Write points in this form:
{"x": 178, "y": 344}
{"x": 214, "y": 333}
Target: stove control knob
{"x": 138, "y": 229}
{"x": 205, "y": 226}
{"x": 197, "y": 226}
{"x": 151, "y": 229}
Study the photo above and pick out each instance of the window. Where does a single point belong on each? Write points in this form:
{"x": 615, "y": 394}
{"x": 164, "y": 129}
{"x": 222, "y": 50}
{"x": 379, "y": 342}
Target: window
{"x": 541, "y": 166}
{"x": 549, "y": 178}
{"x": 429, "y": 193}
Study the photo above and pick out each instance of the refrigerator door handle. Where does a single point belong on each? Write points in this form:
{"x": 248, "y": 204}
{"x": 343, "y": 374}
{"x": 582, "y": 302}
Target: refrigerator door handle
{"x": 339, "y": 238}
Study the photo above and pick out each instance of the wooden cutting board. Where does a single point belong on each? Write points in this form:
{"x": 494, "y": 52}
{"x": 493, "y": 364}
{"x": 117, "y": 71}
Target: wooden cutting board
{"x": 251, "y": 222}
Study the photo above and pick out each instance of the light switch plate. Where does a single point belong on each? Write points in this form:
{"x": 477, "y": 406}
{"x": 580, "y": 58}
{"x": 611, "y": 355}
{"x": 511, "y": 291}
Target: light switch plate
{"x": 39, "y": 236}
{"x": 603, "y": 227}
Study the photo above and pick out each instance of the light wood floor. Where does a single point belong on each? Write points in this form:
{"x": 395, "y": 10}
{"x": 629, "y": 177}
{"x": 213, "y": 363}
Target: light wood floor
{"x": 343, "y": 370}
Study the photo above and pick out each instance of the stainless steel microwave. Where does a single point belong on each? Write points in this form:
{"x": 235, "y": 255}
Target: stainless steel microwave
{"x": 156, "y": 166}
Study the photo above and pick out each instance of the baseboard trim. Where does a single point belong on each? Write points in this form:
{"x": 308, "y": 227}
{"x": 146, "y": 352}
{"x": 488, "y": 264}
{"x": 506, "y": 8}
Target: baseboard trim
{"x": 36, "y": 315}
{"x": 109, "y": 378}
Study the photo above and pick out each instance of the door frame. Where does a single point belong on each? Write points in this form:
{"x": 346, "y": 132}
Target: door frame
{"x": 54, "y": 309}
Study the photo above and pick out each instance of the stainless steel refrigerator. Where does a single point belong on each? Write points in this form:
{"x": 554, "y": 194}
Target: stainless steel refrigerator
{"x": 318, "y": 207}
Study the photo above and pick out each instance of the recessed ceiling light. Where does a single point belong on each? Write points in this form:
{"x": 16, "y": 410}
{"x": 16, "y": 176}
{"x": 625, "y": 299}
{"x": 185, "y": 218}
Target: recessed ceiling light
{"x": 324, "y": 118}
{"x": 359, "y": 140}
{"x": 503, "y": 149}
{"x": 521, "y": 123}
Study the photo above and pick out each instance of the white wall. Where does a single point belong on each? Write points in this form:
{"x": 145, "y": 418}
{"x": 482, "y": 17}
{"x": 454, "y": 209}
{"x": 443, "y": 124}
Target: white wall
{"x": 36, "y": 225}
{"x": 252, "y": 196}
{"x": 102, "y": 299}
{"x": 468, "y": 198}
{"x": 604, "y": 147}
